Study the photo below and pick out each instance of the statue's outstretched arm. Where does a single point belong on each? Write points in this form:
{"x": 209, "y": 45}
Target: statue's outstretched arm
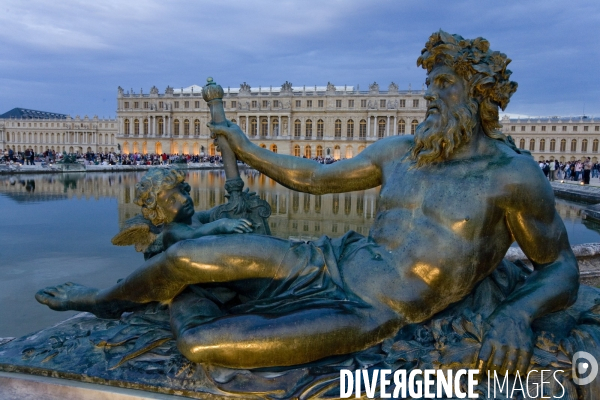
{"x": 305, "y": 175}
{"x": 539, "y": 230}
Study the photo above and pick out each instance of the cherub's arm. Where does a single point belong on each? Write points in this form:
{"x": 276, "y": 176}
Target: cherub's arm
{"x": 176, "y": 232}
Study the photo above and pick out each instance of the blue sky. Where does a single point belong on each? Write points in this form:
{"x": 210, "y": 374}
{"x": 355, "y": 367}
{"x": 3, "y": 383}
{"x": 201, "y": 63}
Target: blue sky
{"x": 69, "y": 56}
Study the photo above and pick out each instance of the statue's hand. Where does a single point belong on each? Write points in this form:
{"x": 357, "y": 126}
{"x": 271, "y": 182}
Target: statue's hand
{"x": 507, "y": 344}
{"x": 229, "y": 130}
{"x": 227, "y": 225}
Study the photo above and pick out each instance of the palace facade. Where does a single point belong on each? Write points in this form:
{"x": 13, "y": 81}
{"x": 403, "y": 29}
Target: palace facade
{"x": 555, "y": 138}
{"x": 303, "y": 121}
{"x": 22, "y": 129}
{"x": 316, "y": 121}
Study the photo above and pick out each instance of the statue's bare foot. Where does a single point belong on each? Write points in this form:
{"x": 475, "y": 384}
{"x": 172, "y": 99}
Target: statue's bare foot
{"x": 72, "y": 296}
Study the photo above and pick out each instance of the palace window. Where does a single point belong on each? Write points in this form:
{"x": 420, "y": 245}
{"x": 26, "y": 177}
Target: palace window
{"x": 309, "y": 103}
{"x": 186, "y": 127}
{"x": 597, "y": 128}
{"x": 265, "y": 103}
{"x": 233, "y": 104}
{"x": 160, "y": 104}
{"x": 513, "y": 128}
{"x": 176, "y": 104}
{"x": 574, "y": 145}
{"x": 176, "y": 128}
{"x": 319, "y": 151}
{"x": 254, "y": 103}
{"x": 533, "y": 129}
{"x": 146, "y": 126}
{"x": 575, "y": 129}
{"x": 402, "y": 103}
{"x": 296, "y": 152}
{"x": 381, "y": 128}
{"x": 532, "y": 145}
{"x": 253, "y": 127}
{"x": 543, "y": 145}
{"x": 146, "y": 104}
{"x": 276, "y": 103}
{"x": 544, "y": 128}
{"x": 401, "y": 127}
{"x": 308, "y": 129}
{"x": 363, "y": 103}
{"x": 362, "y": 129}
{"x": 585, "y": 128}
{"x": 126, "y": 104}
{"x": 595, "y": 146}
{"x": 127, "y": 127}
{"x": 197, "y": 127}
{"x": 522, "y": 129}
{"x": 161, "y": 128}
{"x": 350, "y": 103}
{"x": 413, "y": 126}
{"x": 196, "y": 104}
{"x": 264, "y": 127}
{"x": 320, "y": 103}
{"x": 522, "y": 144}
{"x": 382, "y": 103}
{"x": 338, "y": 104}
{"x": 320, "y": 126}
{"x": 415, "y": 103}
{"x": 564, "y": 128}
{"x": 554, "y": 128}
{"x": 350, "y": 129}
{"x": 338, "y": 128}
{"x": 136, "y": 104}
{"x": 298, "y": 103}
{"x": 297, "y": 128}
{"x": 584, "y": 143}
{"x": 553, "y": 145}
{"x": 563, "y": 145}
{"x": 307, "y": 152}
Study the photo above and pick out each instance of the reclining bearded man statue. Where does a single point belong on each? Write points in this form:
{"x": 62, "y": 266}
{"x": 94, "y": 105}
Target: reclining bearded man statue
{"x": 453, "y": 198}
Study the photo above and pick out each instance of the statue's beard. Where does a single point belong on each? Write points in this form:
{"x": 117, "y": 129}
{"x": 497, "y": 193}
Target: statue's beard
{"x": 437, "y": 138}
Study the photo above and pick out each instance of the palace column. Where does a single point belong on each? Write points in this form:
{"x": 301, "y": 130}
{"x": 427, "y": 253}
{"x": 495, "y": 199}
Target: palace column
{"x": 387, "y": 126}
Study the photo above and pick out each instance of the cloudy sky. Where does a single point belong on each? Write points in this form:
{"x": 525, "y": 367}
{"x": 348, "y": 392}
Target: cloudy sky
{"x": 70, "y": 56}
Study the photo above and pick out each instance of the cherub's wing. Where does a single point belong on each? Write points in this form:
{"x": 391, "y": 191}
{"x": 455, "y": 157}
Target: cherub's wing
{"x": 136, "y": 231}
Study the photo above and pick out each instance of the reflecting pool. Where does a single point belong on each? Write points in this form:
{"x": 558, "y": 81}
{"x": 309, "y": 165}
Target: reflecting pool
{"x": 57, "y": 228}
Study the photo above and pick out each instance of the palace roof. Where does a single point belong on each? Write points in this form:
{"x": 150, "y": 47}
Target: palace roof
{"x": 25, "y": 113}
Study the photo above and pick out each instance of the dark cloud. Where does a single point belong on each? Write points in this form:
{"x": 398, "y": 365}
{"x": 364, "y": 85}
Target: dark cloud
{"x": 70, "y": 56}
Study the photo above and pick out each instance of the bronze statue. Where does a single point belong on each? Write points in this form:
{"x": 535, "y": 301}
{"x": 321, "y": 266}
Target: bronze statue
{"x": 453, "y": 198}
{"x": 168, "y": 215}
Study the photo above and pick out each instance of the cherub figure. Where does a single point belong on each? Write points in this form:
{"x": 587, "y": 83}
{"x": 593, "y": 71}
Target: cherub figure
{"x": 168, "y": 215}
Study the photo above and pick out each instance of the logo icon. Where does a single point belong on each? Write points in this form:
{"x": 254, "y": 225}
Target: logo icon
{"x": 586, "y": 371}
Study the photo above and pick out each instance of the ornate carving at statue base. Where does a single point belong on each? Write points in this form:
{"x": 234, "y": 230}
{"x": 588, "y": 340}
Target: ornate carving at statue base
{"x": 138, "y": 351}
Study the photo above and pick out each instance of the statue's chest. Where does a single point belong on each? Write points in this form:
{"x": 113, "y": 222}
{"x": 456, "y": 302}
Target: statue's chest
{"x": 451, "y": 193}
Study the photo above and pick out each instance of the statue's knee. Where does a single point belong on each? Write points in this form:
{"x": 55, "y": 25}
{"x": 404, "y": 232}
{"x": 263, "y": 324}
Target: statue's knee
{"x": 197, "y": 347}
{"x": 191, "y": 346}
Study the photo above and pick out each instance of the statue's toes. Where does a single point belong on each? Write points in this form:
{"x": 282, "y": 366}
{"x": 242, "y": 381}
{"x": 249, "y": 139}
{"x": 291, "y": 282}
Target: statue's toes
{"x": 44, "y": 295}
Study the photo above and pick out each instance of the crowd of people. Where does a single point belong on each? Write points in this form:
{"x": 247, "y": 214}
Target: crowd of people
{"x": 29, "y": 157}
{"x": 580, "y": 170}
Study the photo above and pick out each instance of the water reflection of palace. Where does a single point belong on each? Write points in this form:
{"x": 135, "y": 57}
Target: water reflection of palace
{"x": 296, "y": 215}
{"x": 293, "y": 214}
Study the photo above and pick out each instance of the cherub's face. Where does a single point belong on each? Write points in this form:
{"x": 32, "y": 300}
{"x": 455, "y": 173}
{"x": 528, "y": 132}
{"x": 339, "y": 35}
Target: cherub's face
{"x": 176, "y": 203}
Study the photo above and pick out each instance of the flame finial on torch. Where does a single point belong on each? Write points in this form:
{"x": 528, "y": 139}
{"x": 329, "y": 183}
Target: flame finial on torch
{"x": 211, "y": 90}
